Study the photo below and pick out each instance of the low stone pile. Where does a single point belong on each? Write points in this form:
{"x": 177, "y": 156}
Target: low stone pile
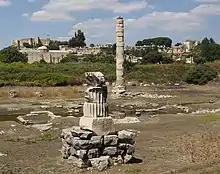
{"x": 85, "y": 149}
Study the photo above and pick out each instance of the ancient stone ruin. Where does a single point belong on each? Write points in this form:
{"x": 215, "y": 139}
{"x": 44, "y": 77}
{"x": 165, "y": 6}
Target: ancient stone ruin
{"x": 96, "y": 143}
{"x": 119, "y": 87}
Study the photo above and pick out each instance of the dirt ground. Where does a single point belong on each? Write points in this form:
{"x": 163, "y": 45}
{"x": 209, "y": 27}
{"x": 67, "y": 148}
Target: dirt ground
{"x": 166, "y": 143}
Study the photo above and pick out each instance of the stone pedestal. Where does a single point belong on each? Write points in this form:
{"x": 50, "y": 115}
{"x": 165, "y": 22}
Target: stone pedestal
{"x": 100, "y": 125}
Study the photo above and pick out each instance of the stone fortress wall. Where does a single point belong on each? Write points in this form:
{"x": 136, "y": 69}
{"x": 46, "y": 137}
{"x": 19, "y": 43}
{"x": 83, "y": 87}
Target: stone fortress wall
{"x": 32, "y": 41}
{"x": 51, "y": 56}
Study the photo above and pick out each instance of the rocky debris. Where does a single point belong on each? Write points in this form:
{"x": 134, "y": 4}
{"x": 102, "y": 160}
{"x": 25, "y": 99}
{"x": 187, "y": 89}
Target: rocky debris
{"x": 206, "y": 111}
{"x": 2, "y": 132}
{"x": 13, "y": 109}
{"x": 44, "y": 107}
{"x": 13, "y": 93}
{"x": 140, "y": 94}
{"x": 78, "y": 162}
{"x": 74, "y": 106}
{"x": 38, "y": 94}
{"x": 84, "y": 148}
{"x": 3, "y": 154}
{"x": 156, "y": 96}
{"x": 42, "y": 127}
{"x": 138, "y": 113}
{"x": 127, "y": 120}
{"x": 117, "y": 115}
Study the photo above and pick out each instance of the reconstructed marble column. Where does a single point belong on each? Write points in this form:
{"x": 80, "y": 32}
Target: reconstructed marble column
{"x": 95, "y": 109}
{"x": 120, "y": 51}
{"x": 96, "y": 106}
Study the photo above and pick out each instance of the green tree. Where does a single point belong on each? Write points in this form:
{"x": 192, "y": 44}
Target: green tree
{"x": 200, "y": 74}
{"x": 70, "y": 58}
{"x": 11, "y": 54}
{"x": 72, "y": 42}
{"x": 80, "y": 39}
{"x": 157, "y": 41}
{"x": 54, "y": 45}
{"x": 152, "y": 57}
{"x": 207, "y": 51}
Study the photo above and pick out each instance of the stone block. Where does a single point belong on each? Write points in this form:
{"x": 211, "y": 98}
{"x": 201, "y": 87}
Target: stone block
{"x": 130, "y": 149}
{"x": 126, "y": 137}
{"x": 110, "y": 151}
{"x": 65, "y": 151}
{"x": 82, "y": 154}
{"x": 67, "y": 135}
{"x": 78, "y": 162}
{"x": 98, "y": 138}
{"x": 83, "y": 134}
{"x": 110, "y": 140}
{"x": 101, "y": 125}
{"x": 101, "y": 163}
{"x": 93, "y": 153}
{"x": 127, "y": 158}
{"x": 122, "y": 148}
{"x": 73, "y": 151}
{"x": 79, "y": 144}
{"x": 117, "y": 160}
{"x": 126, "y": 134}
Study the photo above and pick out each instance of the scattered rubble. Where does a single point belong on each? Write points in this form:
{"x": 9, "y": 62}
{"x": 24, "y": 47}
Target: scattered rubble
{"x": 2, "y": 132}
{"x": 13, "y": 93}
{"x": 3, "y": 154}
{"x": 206, "y": 111}
{"x": 38, "y": 94}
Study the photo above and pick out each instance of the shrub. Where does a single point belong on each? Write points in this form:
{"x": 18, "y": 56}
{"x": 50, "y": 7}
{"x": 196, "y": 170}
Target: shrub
{"x": 11, "y": 54}
{"x": 200, "y": 74}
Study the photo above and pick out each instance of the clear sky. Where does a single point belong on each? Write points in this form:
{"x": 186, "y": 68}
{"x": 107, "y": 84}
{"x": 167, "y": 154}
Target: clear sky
{"x": 58, "y": 19}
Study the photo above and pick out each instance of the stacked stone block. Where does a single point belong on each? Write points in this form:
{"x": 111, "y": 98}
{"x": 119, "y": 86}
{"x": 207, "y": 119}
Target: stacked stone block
{"x": 83, "y": 148}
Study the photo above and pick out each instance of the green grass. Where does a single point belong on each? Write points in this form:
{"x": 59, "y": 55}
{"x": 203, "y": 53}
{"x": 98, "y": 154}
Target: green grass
{"x": 47, "y": 137}
{"x": 210, "y": 117}
{"x": 133, "y": 171}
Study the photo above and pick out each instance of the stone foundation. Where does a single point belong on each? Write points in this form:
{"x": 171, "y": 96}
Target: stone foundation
{"x": 83, "y": 148}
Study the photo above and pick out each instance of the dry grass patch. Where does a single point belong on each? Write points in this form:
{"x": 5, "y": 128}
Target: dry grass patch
{"x": 200, "y": 147}
{"x": 48, "y": 92}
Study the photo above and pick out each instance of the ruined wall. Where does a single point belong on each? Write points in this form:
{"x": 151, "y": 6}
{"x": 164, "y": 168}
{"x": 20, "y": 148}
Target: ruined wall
{"x": 83, "y": 148}
{"x": 49, "y": 57}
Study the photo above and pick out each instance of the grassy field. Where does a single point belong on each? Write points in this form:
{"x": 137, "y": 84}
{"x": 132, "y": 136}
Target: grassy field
{"x": 73, "y": 74}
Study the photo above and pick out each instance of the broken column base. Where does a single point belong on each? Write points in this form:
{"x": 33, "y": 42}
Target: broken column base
{"x": 99, "y": 125}
{"x": 84, "y": 149}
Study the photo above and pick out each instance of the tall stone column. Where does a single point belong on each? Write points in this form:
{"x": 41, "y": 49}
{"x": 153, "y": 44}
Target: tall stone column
{"x": 119, "y": 87}
{"x": 120, "y": 51}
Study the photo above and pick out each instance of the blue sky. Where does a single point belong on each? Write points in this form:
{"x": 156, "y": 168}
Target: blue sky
{"x": 178, "y": 19}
